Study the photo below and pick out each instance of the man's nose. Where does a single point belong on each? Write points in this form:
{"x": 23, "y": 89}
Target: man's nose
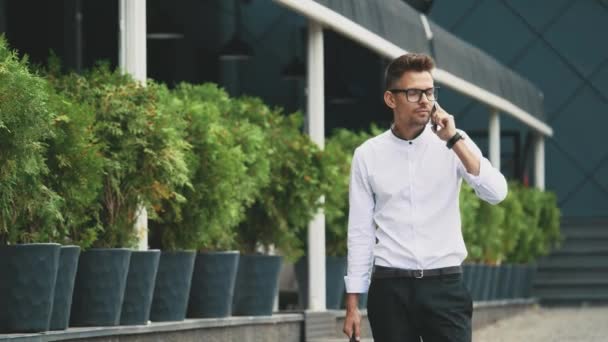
{"x": 424, "y": 99}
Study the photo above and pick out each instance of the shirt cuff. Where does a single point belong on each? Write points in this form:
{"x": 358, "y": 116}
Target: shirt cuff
{"x": 484, "y": 164}
{"x": 356, "y": 284}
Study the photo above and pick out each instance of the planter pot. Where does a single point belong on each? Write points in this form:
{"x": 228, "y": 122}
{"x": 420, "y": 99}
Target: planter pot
{"x": 64, "y": 287}
{"x": 27, "y": 282}
{"x": 213, "y": 280}
{"x": 504, "y": 279}
{"x": 531, "y": 270}
{"x": 257, "y": 284}
{"x": 495, "y": 271}
{"x": 140, "y": 287}
{"x": 519, "y": 280}
{"x": 477, "y": 281}
{"x": 335, "y": 268}
{"x": 172, "y": 288}
{"x": 100, "y": 287}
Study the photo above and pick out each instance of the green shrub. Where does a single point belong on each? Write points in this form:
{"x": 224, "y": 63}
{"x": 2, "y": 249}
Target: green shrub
{"x": 514, "y": 223}
{"x": 142, "y": 149}
{"x": 228, "y": 165}
{"x": 469, "y": 207}
{"x": 286, "y": 205}
{"x": 73, "y": 158}
{"x": 541, "y": 226}
{"x": 29, "y": 210}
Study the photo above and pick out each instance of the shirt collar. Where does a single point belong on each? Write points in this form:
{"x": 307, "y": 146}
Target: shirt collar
{"x": 420, "y": 140}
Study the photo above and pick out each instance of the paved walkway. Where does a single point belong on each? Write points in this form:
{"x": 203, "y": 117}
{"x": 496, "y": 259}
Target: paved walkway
{"x": 588, "y": 324}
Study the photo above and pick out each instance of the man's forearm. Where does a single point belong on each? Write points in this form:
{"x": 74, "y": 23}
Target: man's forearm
{"x": 470, "y": 161}
{"x": 352, "y": 301}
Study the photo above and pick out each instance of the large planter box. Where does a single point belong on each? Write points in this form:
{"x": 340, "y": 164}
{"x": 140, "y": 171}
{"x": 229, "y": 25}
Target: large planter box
{"x": 27, "y": 283}
{"x": 257, "y": 284}
{"x": 140, "y": 287}
{"x": 64, "y": 287}
{"x": 172, "y": 288}
{"x": 213, "y": 282}
{"x": 100, "y": 287}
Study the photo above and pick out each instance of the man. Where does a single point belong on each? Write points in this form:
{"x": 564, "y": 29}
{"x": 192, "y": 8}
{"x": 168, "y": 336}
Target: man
{"x": 404, "y": 219}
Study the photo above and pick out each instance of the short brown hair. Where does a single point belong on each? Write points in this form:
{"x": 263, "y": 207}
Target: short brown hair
{"x": 407, "y": 62}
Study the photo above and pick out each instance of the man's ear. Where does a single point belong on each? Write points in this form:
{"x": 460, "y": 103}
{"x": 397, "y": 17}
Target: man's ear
{"x": 389, "y": 99}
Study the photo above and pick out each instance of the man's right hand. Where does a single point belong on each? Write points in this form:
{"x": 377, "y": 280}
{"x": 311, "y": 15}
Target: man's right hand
{"x": 352, "y": 322}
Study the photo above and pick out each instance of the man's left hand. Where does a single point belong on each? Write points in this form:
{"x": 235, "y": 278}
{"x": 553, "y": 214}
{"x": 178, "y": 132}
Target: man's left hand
{"x": 446, "y": 127}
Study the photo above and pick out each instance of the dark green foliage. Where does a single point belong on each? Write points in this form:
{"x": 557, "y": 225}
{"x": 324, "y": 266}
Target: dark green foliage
{"x": 525, "y": 226}
{"x": 287, "y": 204}
{"x": 228, "y": 163}
{"x": 76, "y": 170}
{"x": 28, "y": 208}
{"x": 142, "y": 149}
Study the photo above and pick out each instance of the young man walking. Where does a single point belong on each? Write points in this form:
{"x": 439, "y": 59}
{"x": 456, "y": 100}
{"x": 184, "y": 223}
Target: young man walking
{"x": 405, "y": 242}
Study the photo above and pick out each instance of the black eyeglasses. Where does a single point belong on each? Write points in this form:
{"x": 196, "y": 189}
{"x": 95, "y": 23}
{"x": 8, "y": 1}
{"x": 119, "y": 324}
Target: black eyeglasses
{"x": 415, "y": 95}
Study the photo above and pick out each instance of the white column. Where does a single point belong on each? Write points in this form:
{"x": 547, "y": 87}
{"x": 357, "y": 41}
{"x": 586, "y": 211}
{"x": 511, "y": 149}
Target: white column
{"x": 132, "y": 58}
{"x": 494, "y": 139}
{"x": 539, "y": 161}
{"x": 132, "y": 55}
{"x": 316, "y": 129}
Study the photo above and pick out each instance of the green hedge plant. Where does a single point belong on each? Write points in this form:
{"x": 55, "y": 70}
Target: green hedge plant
{"x": 286, "y": 205}
{"x": 75, "y": 170}
{"x": 142, "y": 149}
{"x": 29, "y": 210}
{"x": 228, "y": 164}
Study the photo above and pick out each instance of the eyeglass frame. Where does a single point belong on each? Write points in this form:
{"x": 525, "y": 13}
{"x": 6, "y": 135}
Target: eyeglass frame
{"x": 421, "y": 91}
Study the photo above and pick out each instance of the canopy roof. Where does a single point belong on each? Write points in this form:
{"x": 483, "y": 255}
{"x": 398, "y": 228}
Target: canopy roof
{"x": 392, "y": 28}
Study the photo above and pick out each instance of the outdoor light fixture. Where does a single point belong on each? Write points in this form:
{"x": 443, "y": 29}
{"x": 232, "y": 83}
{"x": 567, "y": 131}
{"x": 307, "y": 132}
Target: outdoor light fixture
{"x": 236, "y": 49}
{"x": 294, "y": 70}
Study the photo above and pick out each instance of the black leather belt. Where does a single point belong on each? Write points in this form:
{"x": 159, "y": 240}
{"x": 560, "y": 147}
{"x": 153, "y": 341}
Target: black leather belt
{"x": 390, "y": 272}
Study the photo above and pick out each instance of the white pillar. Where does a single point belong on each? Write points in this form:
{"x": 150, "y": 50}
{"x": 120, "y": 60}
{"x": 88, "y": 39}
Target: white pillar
{"x": 494, "y": 139}
{"x": 539, "y": 161}
{"x": 316, "y": 130}
{"x": 132, "y": 58}
{"x": 132, "y": 52}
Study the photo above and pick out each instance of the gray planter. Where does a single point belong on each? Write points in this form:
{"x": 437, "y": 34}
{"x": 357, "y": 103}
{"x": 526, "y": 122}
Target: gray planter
{"x": 100, "y": 287}
{"x": 257, "y": 284}
{"x": 335, "y": 267}
{"x": 64, "y": 287}
{"x": 213, "y": 281}
{"x": 140, "y": 287}
{"x": 172, "y": 287}
{"x": 27, "y": 282}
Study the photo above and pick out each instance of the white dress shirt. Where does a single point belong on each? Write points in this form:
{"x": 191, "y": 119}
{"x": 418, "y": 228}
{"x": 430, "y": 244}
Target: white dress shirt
{"x": 404, "y": 204}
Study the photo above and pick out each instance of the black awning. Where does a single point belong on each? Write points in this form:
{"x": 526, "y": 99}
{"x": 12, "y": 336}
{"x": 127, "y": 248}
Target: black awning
{"x": 400, "y": 24}
{"x": 393, "y": 20}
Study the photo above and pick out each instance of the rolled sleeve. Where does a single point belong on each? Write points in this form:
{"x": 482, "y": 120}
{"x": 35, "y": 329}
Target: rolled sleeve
{"x": 361, "y": 229}
{"x": 490, "y": 185}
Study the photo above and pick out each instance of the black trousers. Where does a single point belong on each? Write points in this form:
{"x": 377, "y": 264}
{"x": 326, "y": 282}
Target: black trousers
{"x": 435, "y": 308}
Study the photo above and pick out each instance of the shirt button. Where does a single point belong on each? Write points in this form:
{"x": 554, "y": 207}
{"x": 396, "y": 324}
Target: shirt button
{"x": 410, "y": 142}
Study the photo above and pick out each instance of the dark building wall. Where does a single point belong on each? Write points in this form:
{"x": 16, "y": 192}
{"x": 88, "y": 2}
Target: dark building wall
{"x": 559, "y": 46}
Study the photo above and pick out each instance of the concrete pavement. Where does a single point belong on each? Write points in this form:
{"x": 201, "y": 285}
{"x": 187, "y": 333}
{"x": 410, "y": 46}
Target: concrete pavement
{"x": 588, "y": 324}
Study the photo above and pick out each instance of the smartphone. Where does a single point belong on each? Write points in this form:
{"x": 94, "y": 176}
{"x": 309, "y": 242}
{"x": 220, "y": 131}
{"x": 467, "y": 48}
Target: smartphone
{"x": 433, "y": 110}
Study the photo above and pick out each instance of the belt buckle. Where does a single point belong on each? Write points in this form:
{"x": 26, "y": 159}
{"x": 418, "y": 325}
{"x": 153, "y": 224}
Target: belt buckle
{"x": 418, "y": 274}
